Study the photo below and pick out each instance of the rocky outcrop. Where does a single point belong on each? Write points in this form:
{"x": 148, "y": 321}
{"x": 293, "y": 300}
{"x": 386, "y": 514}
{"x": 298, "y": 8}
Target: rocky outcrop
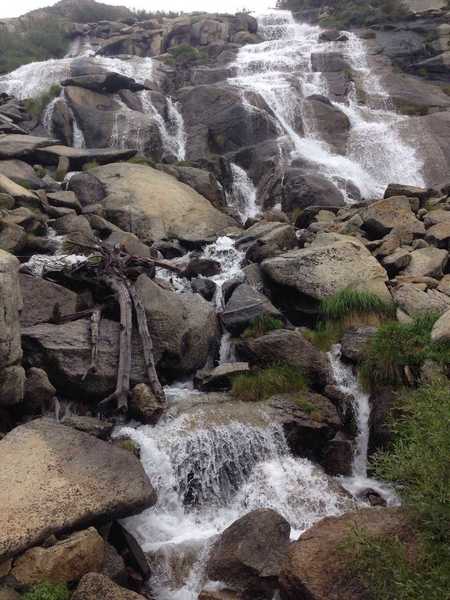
{"x": 249, "y": 553}
{"x": 12, "y": 376}
{"x": 316, "y": 563}
{"x": 331, "y": 263}
{"x": 45, "y": 466}
{"x": 154, "y": 205}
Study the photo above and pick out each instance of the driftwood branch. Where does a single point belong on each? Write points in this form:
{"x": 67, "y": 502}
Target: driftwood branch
{"x": 95, "y": 331}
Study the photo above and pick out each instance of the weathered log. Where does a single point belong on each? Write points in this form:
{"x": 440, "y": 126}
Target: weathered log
{"x": 95, "y": 325}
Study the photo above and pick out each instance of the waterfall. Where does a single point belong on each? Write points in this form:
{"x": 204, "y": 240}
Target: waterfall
{"x": 280, "y": 71}
{"x": 347, "y": 382}
{"x": 209, "y": 470}
{"x": 243, "y": 196}
{"x": 47, "y": 118}
{"x": 173, "y": 136}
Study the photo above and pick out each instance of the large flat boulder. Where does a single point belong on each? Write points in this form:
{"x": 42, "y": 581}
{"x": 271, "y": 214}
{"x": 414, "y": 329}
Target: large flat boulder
{"x": 331, "y": 263}
{"x": 18, "y": 145}
{"x": 316, "y": 567}
{"x": 8, "y": 186}
{"x": 383, "y": 216}
{"x": 54, "y": 478}
{"x": 80, "y": 156}
{"x": 21, "y": 173}
{"x": 44, "y": 300}
{"x": 153, "y": 205}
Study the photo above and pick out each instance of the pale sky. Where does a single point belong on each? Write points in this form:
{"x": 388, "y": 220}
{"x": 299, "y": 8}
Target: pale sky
{"x": 19, "y": 7}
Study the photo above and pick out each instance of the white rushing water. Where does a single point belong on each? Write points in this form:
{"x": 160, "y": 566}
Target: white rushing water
{"x": 208, "y": 474}
{"x": 347, "y": 382}
{"x": 280, "y": 71}
{"x": 243, "y": 195}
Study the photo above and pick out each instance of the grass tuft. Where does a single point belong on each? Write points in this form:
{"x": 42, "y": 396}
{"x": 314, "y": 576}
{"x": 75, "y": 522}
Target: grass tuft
{"x": 398, "y": 345}
{"x": 348, "y": 302}
{"x": 36, "y": 106}
{"x": 278, "y": 379}
{"x": 262, "y": 325}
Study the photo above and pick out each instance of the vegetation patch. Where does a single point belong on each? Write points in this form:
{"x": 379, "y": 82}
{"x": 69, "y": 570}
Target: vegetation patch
{"x": 278, "y": 379}
{"x": 16, "y": 49}
{"x": 142, "y": 160}
{"x": 48, "y": 591}
{"x": 347, "y": 309}
{"x": 417, "y": 463}
{"x": 262, "y": 325}
{"x": 396, "y": 346}
{"x": 36, "y": 106}
{"x": 92, "y": 164}
{"x": 184, "y": 55}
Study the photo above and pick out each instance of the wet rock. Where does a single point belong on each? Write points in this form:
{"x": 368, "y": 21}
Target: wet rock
{"x": 429, "y": 262}
{"x": 67, "y": 560}
{"x": 90, "y": 425}
{"x": 327, "y": 62}
{"x": 62, "y": 122}
{"x": 94, "y": 586}
{"x": 114, "y": 566}
{"x": 220, "y": 378}
{"x": 105, "y": 83}
{"x": 205, "y": 267}
{"x": 330, "y": 123}
{"x": 144, "y": 406}
{"x": 244, "y": 306}
{"x": 39, "y": 392}
{"x": 87, "y": 188}
{"x": 382, "y": 403}
{"x": 301, "y": 190}
{"x": 331, "y": 263}
{"x": 338, "y": 456}
{"x": 201, "y": 181}
{"x": 407, "y": 191}
{"x": 315, "y": 564}
{"x": 154, "y": 205}
{"x": 372, "y": 497}
{"x": 45, "y": 466}
{"x": 183, "y": 327}
{"x": 441, "y": 329}
{"x": 332, "y": 35}
{"x": 384, "y": 215}
{"x": 44, "y": 300}
{"x": 286, "y": 346}
{"x": 204, "y": 287}
{"x": 12, "y": 383}
{"x": 64, "y": 199}
{"x": 248, "y": 554}
{"x": 77, "y": 157}
{"x": 354, "y": 342}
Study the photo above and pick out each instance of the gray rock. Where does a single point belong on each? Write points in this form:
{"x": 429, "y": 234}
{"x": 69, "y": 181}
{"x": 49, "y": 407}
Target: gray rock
{"x": 354, "y": 342}
{"x": 441, "y": 329}
{"x": 45, "y": 466}
{"x": 144, "y": 406}
{"x": 10, "y": 305}
{"x": 220, "y": 378}
{"x": 88, "y": 189}
{"x": 427, "y": 262}
{"x": 249, "y": 553}
{"x": 329, "y": 122}
{"x": 64, "y": 199}
{"x": 21, "y": 173}
{"x": 12, "y": 383}
{"x": 383, "y": 216}
{"x": 90, "y": 425}
{"x": 413, "y": 301}
{"x": 17, "y": 145}
{"x": 244, "y": 306}
{"x": 39, "y": 392}
{"x": 44, "y": 300}
{"x": 77, "y": 157}
{"x": 94, "y": 586}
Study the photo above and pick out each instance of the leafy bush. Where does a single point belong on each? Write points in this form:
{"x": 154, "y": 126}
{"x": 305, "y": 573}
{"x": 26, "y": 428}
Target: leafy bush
{"x": 184, "y": 54}
{"x": 399, "y": 345}
{"x": 262, "y": 325}
{"x": 48, "y": 591}
{"x": 16, "y": 49}
{"x": 278, "y": 379}
{"x": 418, "y": 464}
{"x": 36, "y": 106}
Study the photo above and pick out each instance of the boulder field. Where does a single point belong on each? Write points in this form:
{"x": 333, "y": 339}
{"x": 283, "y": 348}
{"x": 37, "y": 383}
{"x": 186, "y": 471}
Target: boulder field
{"x": 168, "y": 265}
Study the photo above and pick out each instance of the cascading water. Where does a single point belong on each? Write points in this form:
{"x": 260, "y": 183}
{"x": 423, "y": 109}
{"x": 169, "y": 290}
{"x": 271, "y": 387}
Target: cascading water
{"x": 347, "y": 382}
{"x": 280, "y": 71}
{"x": 210, "y": 469}
{"x": 243, "y": 196}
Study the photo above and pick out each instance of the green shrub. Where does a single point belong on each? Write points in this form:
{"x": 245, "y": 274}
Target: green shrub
{"x": 418, "y": 464}
{"x": 278, "y": 379}
{"x": 16, "y": 49}
{"x": 36, "y": 106}
{"x": 184, "y": 54}
{"x": 92, "y": 164}
{"x": 399, "y": 345}
{"x": 48, "y": 591}
{"x": 325, "y": 335}
{"x": 262, "y": 325}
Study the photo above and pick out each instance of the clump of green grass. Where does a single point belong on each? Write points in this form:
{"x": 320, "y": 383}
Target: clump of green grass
{"x": 398, "y": 345}
{"x": 36, "y": 106}
{"x": 417, "y": 463}
{"x": 259, "y": 385}
{"x": 262, "y": 325}
{"x": 349, "y": 303}
{"x": 184, "y": 55}
{"x": 346, "y": 309}
{"x": 142, "y": 160}
{"x": 48, "y": 591}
